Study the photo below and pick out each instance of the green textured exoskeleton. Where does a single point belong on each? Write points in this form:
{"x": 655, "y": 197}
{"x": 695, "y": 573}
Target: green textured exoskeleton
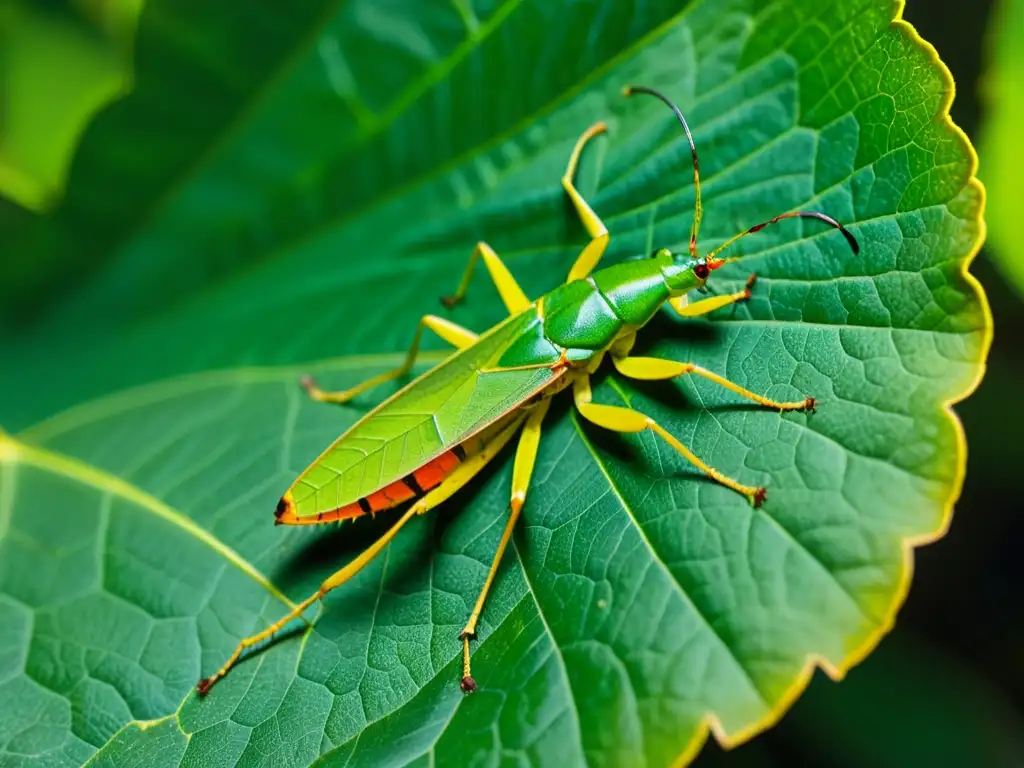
{"x": 429, "y": 439}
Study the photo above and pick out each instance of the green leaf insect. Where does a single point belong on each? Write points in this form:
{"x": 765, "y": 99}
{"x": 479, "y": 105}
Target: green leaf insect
{"x": 434, "y": 435}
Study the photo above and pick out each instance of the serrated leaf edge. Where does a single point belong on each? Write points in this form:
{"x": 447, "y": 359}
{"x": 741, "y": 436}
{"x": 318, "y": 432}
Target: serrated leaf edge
{"x": 711, "y": 723}
{"x": 11, "y": 450}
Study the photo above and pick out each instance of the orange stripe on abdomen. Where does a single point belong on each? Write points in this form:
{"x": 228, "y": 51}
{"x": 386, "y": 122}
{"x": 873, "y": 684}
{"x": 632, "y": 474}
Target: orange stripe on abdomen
{"x": 431, "y": 474}
{"x": 422, "y": 480}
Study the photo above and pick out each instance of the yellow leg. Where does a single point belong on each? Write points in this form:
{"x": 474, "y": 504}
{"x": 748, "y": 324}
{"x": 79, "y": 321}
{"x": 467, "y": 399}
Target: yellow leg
{"x": 598, "y": 232}
{"x": 454, "y": 334}
{"x": 462, "y": 475}
{"x": 654, "y": 369}
{"x": 511, "y": 294}
{"x": 526, "y": 454}
{"x": 685, "y": 309}
{"x": 620, "y": 419}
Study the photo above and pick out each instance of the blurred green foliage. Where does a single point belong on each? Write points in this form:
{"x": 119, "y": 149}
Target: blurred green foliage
{"x": 59, "y": 64}
{"x": 1000, "y": 144}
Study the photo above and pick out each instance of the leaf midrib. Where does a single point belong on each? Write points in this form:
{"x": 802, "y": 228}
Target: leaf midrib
{"x": 614, "y": 490}
{"x": 314, "y": 232}
{"x": 190, "y": 170}
{"x": 259, "y": 96}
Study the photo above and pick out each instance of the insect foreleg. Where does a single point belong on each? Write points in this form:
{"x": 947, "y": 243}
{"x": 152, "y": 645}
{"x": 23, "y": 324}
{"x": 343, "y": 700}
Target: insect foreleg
{"x": 656, "y": 369}
{"x": 454, "y": 334}
{"x": 685, "y": 308}
{"x": 526, "y": 454}
{"x": 620, "y": 419}
{"x": 598, "y": 232}
{"x": 511, "y": 294}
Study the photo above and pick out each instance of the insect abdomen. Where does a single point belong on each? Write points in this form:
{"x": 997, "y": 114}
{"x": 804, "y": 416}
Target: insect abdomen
{"x": 409, "y": 487}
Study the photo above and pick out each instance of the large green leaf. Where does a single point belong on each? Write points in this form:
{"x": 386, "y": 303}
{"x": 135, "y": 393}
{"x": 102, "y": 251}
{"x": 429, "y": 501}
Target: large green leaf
{"x": 640, "y": 606}
{"x": 1002, "y": 154}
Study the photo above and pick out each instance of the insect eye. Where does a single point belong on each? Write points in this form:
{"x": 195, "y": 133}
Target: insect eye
{"x": 701, "y": 271}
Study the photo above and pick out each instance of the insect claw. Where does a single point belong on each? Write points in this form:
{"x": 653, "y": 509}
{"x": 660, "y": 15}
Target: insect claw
{"x": 308, "y": 383}
{"x": 468, "y": 685}
{"x": 810, "y": 405}
{"x": 748, "y": 286}
{"x": 759, "y": 497}
{"x": 203, "y": 686}
{"x": 464, "y": 635}
{"x": 449, "y": 301}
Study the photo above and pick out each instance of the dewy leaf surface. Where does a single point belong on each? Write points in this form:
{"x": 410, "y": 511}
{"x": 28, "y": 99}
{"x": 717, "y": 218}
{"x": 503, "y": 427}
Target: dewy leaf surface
{"x": 640, "y": 605}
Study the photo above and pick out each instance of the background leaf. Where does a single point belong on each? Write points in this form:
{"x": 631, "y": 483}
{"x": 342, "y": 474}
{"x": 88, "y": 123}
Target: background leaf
{"x": 1003, "y": 168}
{"x": 58, "y": 66}
{"x": 318, "y": 212}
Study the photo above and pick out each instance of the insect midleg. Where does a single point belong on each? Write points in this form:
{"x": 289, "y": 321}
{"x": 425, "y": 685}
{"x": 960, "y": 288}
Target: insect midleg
{"x": 431, "y": 499}
{"x": 619, "y": 419}
{"x": 656, "y": 369}
{"x": 684, "y": 308}
{"x": 598, "y": 232}
{"x": 526, "y": 454}
{"x": 454, "y": 334}
{"x": 511, "y": 294}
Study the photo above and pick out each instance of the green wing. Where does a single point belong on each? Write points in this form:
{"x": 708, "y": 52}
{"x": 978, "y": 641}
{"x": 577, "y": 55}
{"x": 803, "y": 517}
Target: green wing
{"x": 429, "y": 416}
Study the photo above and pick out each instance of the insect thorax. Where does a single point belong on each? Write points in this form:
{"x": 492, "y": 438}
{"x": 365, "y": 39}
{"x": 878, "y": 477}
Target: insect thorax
{"x": 581, "y": 319}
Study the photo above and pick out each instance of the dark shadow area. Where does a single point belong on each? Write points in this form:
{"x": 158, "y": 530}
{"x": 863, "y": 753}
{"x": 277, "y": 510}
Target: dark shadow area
{"x": 667, "y": 325}
{"x": 329, "y": 547}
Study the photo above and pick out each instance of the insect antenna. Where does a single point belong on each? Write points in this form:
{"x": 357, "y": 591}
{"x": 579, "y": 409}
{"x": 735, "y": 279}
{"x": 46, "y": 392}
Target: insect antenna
{"x": 854, "y": 245}
{"x": 629, "y": 90}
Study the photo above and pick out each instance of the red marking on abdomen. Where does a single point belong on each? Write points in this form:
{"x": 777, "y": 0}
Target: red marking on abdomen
{"x": 426, "y": 477}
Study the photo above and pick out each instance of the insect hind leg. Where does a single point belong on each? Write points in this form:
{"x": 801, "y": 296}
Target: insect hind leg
{"x": 431, "y": 499}
{"x": 526, "y": 455}
{"x": 336, "y": 580}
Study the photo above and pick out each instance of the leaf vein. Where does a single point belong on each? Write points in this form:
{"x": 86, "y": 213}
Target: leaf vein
{"x": 656, "y": 559}
{"x": 21, "y": 453}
